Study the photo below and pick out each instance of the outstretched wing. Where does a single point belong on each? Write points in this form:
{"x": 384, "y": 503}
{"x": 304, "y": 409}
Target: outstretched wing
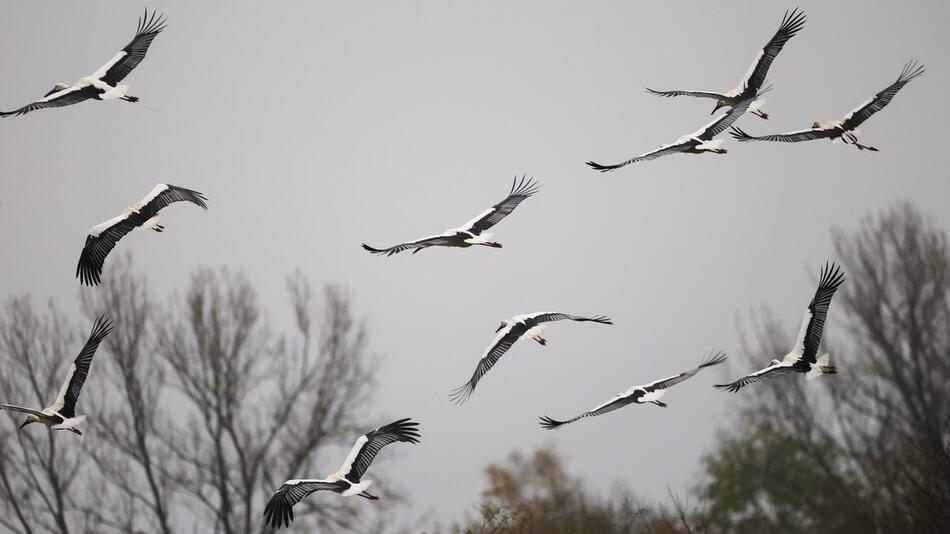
{"x": 369, "y": 444}
{"x": 698, "y": 94}
{"x": 21, "y": 409}
{"x": 122, "y": 64}
{"x": 877, "y": 102}
{"x": 520, "y": 190}
{"x": 66, "y": 97}
{"x": 613, "y": 404}
{"x": 547, "y": 317}
{"x": 415, "y": 246}
{"x": 500, "y": 345}
{"x": 662, "y": 151}
{"x": 665, "y": 383}
{"x": 790, "y": 137}
{"x": 720, "y": 124}
{"x": 755, "y": 77}
{"x": 65, "y": 404}
{"x": 279, "y": 509}
{"x": 809, "y": 336}
{"x": 99, "y": 243}
{"x": 768, "y": 373}
{"x": 164, "y": 194}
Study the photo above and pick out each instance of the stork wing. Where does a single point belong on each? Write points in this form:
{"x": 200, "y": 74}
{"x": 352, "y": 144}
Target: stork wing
{"x": 279, "y": 509}
{"x": 502, "y": 342}
{"x": 720, "y": 124}
{"x": 99, "y": 243}
{"x": 369, "y": 444}
{"x": 662, "y": 151}
{"x": 65, "y": 404}
{"x": 122, "y": 64}
{"x": 415, "y": 246}
{"x": 755, "y": 77}
{"x": 21, "y": 409}
{"x": 546, "y": 317}
{"x": 665, "y": 383}
{"x": 520, "y": 190}
{"x": 877, "y": 102}
{"x": 66, "y": 97}
{"x": 809, "y": 337}
{"x": 768, "y": 373}
{"x": 613, "y": 404}
{"x": 164, "y": 194}
{"x": 698, "y": 94}
{"x": 790, "y": 137}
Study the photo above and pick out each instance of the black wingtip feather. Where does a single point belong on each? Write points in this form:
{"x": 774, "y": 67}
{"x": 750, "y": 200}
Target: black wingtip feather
{"x": 602, "y": 168}
{"x": 461, "y": 394}
{"x": 550, "y": 424}
{"x": 739, "y": 134}
{"x": 713, "y": 359}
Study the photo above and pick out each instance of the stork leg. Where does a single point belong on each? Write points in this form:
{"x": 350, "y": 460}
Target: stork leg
{"x": 75, "y": 431}
{"x": 541, "y": 340}
{"x": 368, "y": 495}
{"x": 659, "y": 403}
{"x": 129, "y": 98}
{"x": 761, "y": 114}
{"x": 865, "y": 147}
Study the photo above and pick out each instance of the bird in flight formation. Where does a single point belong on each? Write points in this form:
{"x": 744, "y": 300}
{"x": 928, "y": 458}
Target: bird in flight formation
{"x": 844, "y": 130}
{"x": 751, "y": 86}
{"x": 647, "y": 393}
{"x": 104, "y": 83}
{"x": 804, "y": 356}
{"x": 348, "y": 480}
{"x": 61, "y": 415}
{"x": 103, "y": 237}
{"x": 473, "y": 232}
{"x": 699, "y": 142}
{"x": 528, "y": 326}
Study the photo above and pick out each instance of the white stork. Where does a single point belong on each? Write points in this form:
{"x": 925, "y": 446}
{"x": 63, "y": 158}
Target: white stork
{"x": 347, "y": 481}
{"x": 472, "y": 232}
{"x": 804, "y": 357}
{"x": 698, "y": 142}
{"x": 103, "y": 237}
{"x": 844, "y": 130}
{"x": 647, "y": 393}
{"x": 61, "y": 415}
{"x": 527, "y": 326}
{"x": 104, "y": 83}
{"x": 751, "y": 86}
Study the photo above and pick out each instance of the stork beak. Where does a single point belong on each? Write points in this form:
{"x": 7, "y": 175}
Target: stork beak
{"x": 24, "y": 424}
{"x": 715, "y": 109}
{"x": 502, "y": 325}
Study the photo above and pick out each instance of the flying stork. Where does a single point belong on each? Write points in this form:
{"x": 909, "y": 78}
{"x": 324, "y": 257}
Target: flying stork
{"x": 804, "y": 357}
{"x": 698, "y": 142}
{"x": 279, "y": 510}
{"x": 647, "y": 393}
{"x": 528, "y": 326}
{"x": 104, "y": 83}
{"x": 844, "y": 130}
{"x": 472, "y": 232}
{"x": 752, "y": 84}
{"x": 103, "y": 237}
{"x": 61, "y": 415}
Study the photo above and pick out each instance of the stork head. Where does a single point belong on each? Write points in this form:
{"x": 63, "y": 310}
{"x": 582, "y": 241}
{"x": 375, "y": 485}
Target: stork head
{"x": 502, "y": 325}
{"x": 816, "y": 124}
{"x": 29, "y": 419}
{"x": 56, "y": 88}
{"x": 719, "y": 104}
{"x": 774, "y": 362}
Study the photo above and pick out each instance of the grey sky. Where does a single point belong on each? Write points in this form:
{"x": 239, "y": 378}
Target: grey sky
{"x": 314, "y": 127}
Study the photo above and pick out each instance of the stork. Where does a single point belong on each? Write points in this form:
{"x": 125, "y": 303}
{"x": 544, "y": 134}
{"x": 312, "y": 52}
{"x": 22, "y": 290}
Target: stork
{"x": 527, "y": 326}
{"x": 348, "y": 480}
{"x": 61, "y": 415}
{"x": 804, "y": 356}
{"x": 104, "y": 83}
{"x": 844, "y": 130}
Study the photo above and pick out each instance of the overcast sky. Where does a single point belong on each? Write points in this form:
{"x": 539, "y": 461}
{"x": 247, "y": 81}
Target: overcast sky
{"x": 313, "y": 127}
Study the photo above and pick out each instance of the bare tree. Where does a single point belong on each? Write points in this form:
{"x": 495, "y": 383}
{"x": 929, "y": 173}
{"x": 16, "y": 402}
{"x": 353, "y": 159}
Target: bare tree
{"x": 869, "y": 449}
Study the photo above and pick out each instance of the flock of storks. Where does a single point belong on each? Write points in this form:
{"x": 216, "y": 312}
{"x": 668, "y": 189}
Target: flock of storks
{"x": 105, "y": 84}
